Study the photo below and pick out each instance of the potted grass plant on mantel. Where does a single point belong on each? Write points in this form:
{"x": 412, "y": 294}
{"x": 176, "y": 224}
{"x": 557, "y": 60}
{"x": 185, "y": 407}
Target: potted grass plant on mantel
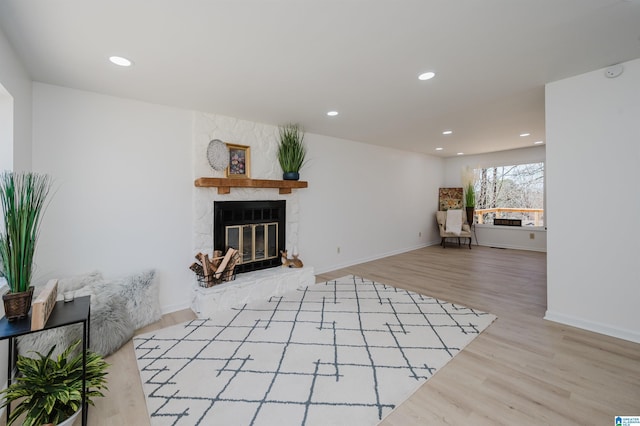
{"x": 291, "y": 151}
{"x": 49, "y": 391}
{"x": 22, "y": 196}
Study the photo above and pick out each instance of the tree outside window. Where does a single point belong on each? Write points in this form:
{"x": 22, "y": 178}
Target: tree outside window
{"x": 511, "y": 192}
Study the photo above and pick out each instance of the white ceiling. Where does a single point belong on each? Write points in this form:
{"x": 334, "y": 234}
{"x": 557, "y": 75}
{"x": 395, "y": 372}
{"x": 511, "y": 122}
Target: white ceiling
{"x": 280, "y": 61}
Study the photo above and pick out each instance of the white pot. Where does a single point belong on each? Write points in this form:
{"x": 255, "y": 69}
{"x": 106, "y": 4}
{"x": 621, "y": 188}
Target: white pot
{"x": 70, "y": 420}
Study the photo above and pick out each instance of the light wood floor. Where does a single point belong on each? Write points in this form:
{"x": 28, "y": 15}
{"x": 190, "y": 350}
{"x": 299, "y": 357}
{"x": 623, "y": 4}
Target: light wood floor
{"x": 522, "y": 370}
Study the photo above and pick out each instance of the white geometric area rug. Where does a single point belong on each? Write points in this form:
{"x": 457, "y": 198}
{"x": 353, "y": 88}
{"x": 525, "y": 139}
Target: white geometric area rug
{"x": 344, "y": 352}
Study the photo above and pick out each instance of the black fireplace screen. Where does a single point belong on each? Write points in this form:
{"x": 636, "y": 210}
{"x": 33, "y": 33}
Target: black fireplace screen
{"x": 255, "y": 228}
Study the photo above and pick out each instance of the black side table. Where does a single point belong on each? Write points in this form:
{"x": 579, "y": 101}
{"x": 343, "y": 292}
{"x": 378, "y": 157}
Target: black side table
{"x": 64, "y": 313}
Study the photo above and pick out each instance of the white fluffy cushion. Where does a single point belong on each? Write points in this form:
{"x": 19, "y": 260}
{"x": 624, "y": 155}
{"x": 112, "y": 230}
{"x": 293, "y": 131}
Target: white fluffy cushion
{"x": 73, "y": 284}
{"x": 41, "y": 342}
{"x": 140, "y": 292}
{"x": 79, "y": 281}
{"x": 110, "y": 329}
{"x": 118, "y": 308}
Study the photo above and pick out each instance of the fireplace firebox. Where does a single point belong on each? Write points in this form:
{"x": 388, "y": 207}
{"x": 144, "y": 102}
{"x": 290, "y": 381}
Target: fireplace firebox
{"x": 255, "y": 228}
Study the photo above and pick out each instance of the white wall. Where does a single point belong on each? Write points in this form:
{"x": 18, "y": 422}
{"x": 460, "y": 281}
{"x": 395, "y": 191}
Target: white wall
{"x": 370, "y": 201}
{"x": 17, "y": 83}
{"x": 593, "y": 156}
{"x": 493, "y": 236}
{"x": 124, "y": 175}
{"x": 123, "y": 181}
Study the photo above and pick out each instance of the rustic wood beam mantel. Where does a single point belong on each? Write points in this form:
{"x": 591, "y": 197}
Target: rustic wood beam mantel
{"x": 224, "y": 185}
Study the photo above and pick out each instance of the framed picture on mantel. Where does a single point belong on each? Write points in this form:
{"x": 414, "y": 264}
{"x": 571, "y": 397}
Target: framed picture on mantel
{"x": 239, "y": 161}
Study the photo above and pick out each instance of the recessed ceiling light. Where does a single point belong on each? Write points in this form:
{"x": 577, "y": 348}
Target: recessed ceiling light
{"x": 439, "y": 149}
{"x": 460, "y": 153}
{"x": 332, "y": 113}
{"x": 427, "y": 75}
{"x": 538, "y": 142}
{"x": 119, "y": 60}
{"x": 524, "y": 135}
{"x": 447, "y": 132}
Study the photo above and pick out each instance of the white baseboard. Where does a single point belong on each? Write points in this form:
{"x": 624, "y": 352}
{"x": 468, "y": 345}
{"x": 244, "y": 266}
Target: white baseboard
{"x": 174, "y": 308}
{"x": 630, "y": 335}
{"x": 513, "y": 247}
{"x": 375, "y": 257}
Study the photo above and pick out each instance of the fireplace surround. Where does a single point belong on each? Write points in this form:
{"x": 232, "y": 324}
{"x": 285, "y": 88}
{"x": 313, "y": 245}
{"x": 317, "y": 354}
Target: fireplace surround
{"x": 255, "y": 228}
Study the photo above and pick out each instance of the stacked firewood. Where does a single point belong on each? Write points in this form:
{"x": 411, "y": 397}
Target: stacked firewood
{"x": 219, "y": 268}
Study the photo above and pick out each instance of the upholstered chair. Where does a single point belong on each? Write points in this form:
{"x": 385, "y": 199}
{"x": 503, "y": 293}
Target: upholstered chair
{"x": 465, "y": 232}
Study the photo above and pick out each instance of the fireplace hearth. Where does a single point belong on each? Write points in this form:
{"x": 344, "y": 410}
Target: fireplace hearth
{"x": 255, "y": 228}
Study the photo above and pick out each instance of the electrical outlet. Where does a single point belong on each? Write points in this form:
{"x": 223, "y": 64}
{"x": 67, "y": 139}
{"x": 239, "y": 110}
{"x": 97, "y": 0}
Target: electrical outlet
{"x": 532, "y": 236}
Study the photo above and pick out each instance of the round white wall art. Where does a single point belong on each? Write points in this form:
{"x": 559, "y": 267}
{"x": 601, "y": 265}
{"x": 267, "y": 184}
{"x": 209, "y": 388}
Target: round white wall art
{"x": 218, "y": 154}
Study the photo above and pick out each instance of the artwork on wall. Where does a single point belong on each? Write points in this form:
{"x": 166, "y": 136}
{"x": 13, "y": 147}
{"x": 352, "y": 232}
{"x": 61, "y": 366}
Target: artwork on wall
{"x": 450, "y": 198}
{"x": 239, "y": 161}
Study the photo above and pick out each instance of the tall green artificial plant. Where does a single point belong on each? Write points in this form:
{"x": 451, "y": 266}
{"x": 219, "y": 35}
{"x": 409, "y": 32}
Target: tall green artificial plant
{"x": 470, "y": 195}
{"x": 22, "y": 196}
{"x": 468, "y": 180}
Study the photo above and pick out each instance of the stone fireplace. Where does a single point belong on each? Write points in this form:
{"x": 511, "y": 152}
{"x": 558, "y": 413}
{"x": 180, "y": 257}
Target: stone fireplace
{"x": 256, "y": 278}
{"x": 256, "y": 229}
{"x": 263, "y": 141}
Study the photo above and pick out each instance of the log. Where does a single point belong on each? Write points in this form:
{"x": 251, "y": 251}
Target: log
{"x": 197, "y": 268}
{"x": 235, "y": 259}
{"x": 225, "y": 261}
{"x": 217, "y": 258}
{"x": 204, "y": 261}
{"x": 219, "y": 268}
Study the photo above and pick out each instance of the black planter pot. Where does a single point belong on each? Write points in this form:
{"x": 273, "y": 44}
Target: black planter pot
{"x": 470, "y": 211}
{"x": 291, "y": 176}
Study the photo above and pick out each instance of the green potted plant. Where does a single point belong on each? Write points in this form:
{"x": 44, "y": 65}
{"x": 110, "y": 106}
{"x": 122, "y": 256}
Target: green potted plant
{"x": 22, "y": 196}
{"x": 291, "y": 151}
{"x": 49, "y": 391}
{"x": 470, "y": 201}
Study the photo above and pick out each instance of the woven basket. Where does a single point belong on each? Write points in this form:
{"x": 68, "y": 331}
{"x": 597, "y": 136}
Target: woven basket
{"x": 207, "y": 281}
{"x": 17, "y": 305}
{"x": 229, "y": 274}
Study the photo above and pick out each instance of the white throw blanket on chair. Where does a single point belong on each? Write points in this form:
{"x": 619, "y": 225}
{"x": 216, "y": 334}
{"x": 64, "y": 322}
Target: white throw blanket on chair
{"x": 454, "y": 221}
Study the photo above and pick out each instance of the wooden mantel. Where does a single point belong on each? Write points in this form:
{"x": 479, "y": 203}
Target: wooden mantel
{"x": 224, "y": 185}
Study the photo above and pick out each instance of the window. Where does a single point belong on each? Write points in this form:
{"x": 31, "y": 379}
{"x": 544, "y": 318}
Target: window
{"x": 510, "y": 192}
